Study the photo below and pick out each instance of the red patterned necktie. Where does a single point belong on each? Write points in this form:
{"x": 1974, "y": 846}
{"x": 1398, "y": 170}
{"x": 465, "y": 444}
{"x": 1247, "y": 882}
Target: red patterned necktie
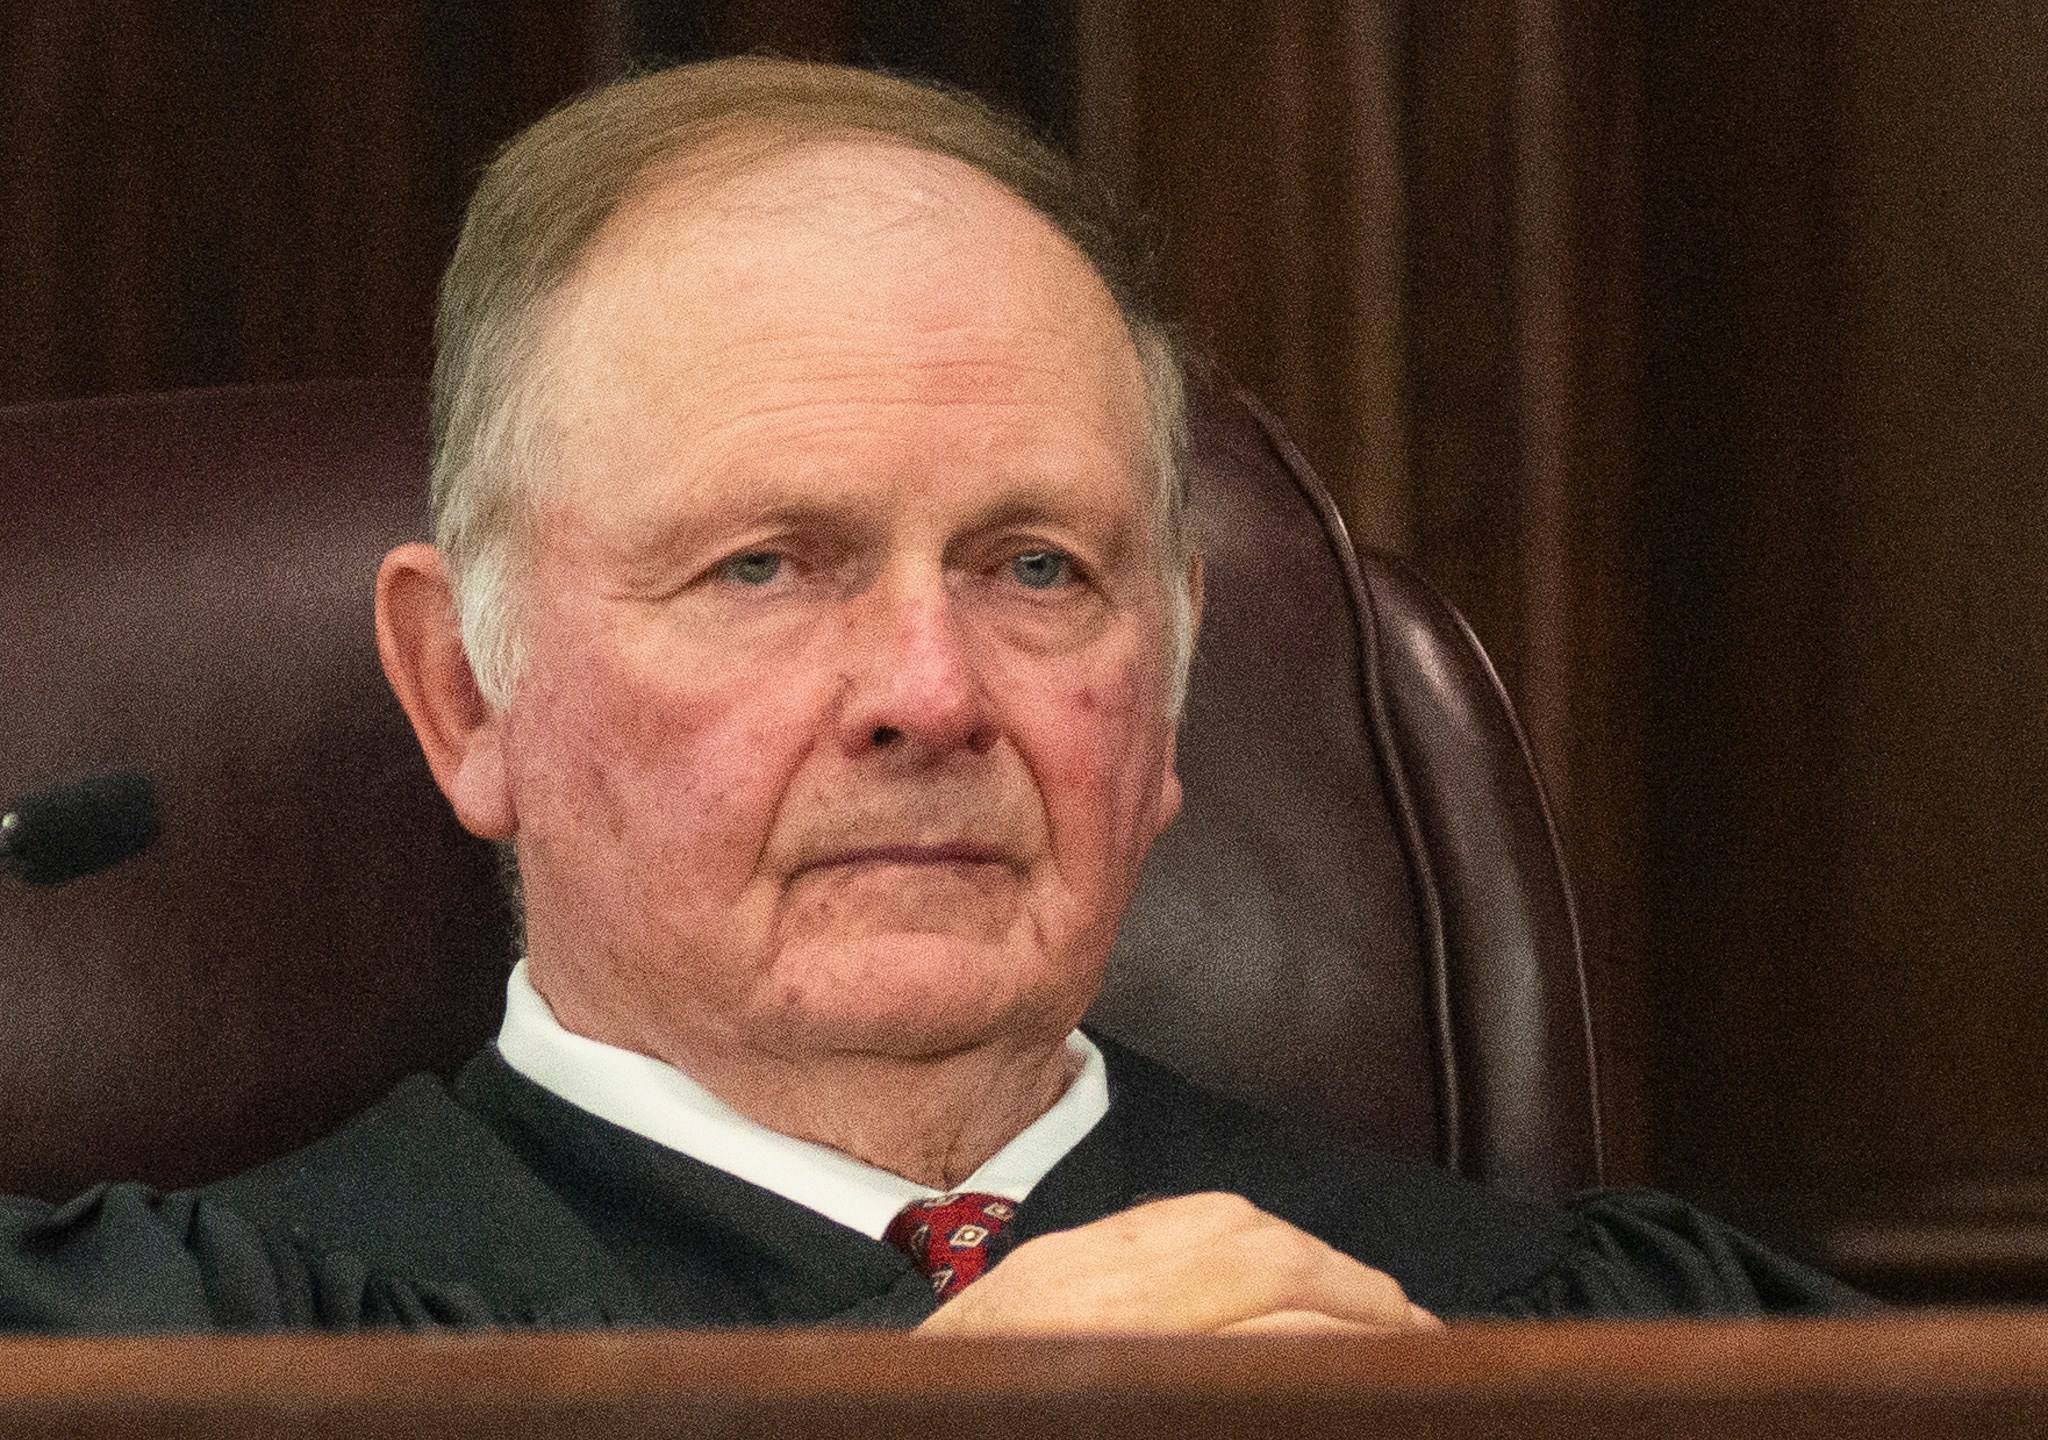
{"x": 947, "y": 1236}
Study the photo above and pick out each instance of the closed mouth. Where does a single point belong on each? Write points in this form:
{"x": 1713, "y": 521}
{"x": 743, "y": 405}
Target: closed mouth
{"x": 958, "y": 853}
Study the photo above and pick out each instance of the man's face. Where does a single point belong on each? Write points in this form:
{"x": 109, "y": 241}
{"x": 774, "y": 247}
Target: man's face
{"x": 843, "y": 722}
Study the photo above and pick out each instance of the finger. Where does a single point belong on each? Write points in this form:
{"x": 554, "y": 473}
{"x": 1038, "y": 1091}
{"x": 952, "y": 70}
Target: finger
{"x": 1306, "y": 1322}
{"x": 1421, "y": 1319}
{"x": 1327, "y": 1281}
{"x": 1231, "y": 1262}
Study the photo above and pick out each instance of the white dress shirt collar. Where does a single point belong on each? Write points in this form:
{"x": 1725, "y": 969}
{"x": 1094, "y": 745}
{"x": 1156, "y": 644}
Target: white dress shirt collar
{"x": 653, "y": 1099}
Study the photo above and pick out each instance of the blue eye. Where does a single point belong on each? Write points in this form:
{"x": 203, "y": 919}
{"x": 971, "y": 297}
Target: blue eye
{"x": 1040, "y": 569}
{"x": 756, "y": 567}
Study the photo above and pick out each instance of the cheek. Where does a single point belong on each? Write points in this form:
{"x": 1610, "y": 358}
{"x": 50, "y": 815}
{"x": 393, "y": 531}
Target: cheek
{"x": 626, "y": 778}
{"x": 1097, "y": 746}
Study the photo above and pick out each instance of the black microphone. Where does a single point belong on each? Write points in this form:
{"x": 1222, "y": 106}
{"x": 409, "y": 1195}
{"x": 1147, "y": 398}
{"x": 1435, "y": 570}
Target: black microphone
{"x": 73, "y": 830}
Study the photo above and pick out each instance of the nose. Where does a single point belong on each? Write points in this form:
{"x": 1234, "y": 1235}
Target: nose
{"x": 915, "y": 690}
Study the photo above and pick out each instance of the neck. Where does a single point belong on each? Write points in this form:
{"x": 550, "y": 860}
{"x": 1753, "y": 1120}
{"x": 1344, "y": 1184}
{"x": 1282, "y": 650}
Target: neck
{"x": 932, "y": 1118}
{"x": 934, "y": 1121}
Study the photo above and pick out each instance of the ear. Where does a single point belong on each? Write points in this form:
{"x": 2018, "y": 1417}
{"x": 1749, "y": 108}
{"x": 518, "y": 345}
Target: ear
{"x": 420, "y": 643}
{"x": 1169, "y": 787}
{"x": 1170, "y": 795}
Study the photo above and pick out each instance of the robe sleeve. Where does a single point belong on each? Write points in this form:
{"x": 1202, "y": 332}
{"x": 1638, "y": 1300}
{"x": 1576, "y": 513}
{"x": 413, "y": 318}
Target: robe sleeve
{"x": 1637, "y": 1253}
{"x": 125, "y": 1259}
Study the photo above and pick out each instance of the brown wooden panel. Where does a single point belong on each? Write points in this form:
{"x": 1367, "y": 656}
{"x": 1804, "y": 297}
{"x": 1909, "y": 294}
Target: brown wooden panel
{"x": 1519, "y": 145}
{"x": 1847, "y": 444}
{"x": 1018, "y": 56}
{"x": 1739, "y": 456}
{"x": 1938, "y": 918}
{"x": 1262, "y": 137}
{"x": 196, "y": 194}
{"x": 1930, "y": 1377}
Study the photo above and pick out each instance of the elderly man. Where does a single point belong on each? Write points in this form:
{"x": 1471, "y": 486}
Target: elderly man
{"x": 809, "y": 611}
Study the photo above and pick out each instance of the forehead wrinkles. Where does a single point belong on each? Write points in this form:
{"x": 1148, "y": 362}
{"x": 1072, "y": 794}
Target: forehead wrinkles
{"x": 773, "y": 388}
{"x": 909, "y": 273}
{"x": 823, "y": 261}
{"x": 839, "y": 226}
{"x": 827, "y": 204}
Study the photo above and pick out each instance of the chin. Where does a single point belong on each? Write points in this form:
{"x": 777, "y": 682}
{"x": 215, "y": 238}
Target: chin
{"x": 917, "y": 995}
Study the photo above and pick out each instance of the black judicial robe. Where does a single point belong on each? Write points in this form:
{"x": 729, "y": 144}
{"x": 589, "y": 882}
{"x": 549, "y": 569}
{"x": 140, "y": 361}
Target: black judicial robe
{"x": 493, "y": 1202}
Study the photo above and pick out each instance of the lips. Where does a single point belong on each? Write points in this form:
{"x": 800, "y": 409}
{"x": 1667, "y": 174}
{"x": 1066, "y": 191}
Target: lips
{"x": 950, "y": 853}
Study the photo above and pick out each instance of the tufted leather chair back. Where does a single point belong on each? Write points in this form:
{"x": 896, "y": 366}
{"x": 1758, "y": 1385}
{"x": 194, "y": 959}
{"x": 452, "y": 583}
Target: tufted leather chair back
{"x": 1361, "y": 921}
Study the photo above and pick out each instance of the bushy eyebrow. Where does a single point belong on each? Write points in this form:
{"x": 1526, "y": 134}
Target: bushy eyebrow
{"x": 669, "y": 533}
{"x": 1025, "y": 504}
{"x": 1110, "y": 529}
{"x": 791, "y": 514}
{"x": 1117, "y": 527}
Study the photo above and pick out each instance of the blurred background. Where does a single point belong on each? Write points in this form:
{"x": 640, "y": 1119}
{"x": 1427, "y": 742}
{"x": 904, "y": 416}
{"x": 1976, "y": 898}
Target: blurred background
{"x": 1697, "y": 351}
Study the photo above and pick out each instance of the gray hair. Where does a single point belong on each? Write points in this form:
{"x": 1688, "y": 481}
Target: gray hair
{"x": 546, "y": 196}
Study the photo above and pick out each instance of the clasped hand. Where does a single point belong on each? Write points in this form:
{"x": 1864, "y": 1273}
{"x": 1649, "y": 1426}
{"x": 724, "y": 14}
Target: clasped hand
{"x": 1196, "y": 1264}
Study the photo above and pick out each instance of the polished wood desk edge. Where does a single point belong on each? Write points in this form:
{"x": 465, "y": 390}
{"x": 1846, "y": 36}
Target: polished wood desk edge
{"x": 1906, "y": 1354}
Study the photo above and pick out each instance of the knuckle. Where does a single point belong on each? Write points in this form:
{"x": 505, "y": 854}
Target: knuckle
{"x": 1300, "y": 1266}
{"x": 1381, "y": 1290}
{"x": 1224, "y": 1207}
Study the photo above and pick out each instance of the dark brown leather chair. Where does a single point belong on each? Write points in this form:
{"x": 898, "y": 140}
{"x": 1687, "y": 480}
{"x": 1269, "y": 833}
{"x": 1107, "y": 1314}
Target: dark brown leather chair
{"x": 1361, "y": 921}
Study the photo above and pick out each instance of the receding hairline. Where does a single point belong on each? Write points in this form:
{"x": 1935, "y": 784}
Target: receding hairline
{"x": 728, "y": 113}
{"x": 687, "y": 201}
{"x": 751, "y": 177}
{"x": 749, "y": 148}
